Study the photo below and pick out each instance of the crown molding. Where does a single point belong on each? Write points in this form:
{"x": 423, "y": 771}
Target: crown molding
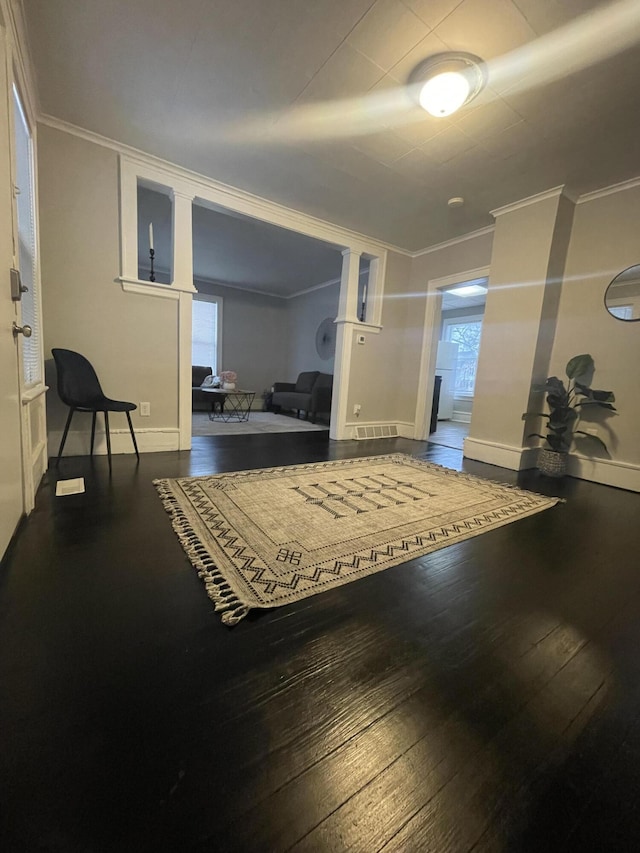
{"x": 554, "y": 192}
{"x": 312, "y": 289}
{"x": 340, "y": 235}
{"x": 489, "y": 229}
{"x": 320, "y": 286}
{"x": 240, "y": 287}
{"x": 236, "y": 199}
{"x": 610, "y": 190}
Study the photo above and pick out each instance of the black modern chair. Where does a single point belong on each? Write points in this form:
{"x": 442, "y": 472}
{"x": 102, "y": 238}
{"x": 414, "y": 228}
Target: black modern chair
{"x": 79, "y": 388}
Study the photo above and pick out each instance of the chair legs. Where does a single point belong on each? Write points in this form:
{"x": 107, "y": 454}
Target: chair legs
{"x": 106, "y": 429}
{"x": 93, "y": 434}
{"x": 64, "y": 435}
{"x": 133, "y": 436}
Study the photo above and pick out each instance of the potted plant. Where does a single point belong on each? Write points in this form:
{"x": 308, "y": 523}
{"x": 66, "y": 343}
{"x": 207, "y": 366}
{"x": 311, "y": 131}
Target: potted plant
{"x": 566, "y": 405}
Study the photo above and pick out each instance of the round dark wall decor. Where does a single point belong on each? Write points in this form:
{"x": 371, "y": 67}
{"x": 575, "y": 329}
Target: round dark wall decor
{"x": 326, "y": 339}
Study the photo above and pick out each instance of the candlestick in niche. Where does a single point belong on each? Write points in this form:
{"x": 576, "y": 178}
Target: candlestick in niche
{"x": 363, "y": 309}
{"x": 152, "y": 253}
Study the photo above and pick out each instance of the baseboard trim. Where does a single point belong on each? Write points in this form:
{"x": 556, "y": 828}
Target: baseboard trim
{"x": 608, "y": 472}
{"x": 149, "y": 441}
{"x": 461, "y": 417}
{"x": 503, "y": 455}
{"x": 406, "y": 429}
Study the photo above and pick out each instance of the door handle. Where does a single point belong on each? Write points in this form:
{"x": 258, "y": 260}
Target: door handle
{"x": 25, "y": 330}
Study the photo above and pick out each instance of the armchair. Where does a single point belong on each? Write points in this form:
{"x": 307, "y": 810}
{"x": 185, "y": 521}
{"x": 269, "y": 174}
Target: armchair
{"x": 198, "y": 375}
{"x": 311, "y": 393}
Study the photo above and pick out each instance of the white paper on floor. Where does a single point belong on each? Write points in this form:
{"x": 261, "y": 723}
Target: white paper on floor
{"x": 70, "y": 487}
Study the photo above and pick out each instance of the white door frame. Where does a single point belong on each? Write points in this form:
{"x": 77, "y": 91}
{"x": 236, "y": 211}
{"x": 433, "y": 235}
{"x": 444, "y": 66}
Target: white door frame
{"x": 32, "y": 396}
{"x": 11, "y": 483}
{"x": 430, "y": 337}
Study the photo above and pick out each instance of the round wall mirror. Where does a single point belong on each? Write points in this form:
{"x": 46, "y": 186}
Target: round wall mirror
{"x": 622, "y": 297}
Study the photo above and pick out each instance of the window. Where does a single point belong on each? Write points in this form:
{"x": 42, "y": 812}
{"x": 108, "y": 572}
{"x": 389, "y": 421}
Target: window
{"x": 623, "y": 312}
{"x": 206, "y": 337}
{"x": 26, "y": 250}
{"x": 466, "y": 333}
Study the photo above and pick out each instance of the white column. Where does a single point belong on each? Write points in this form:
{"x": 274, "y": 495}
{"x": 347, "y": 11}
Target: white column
{"x": 128, "y": 221}
{"x": 348, "y": 302}
{"x": 185, "y": 307}
{"x": 347, "y": 316}
{"x": 183, "y": 278}
{"x": 182, "y": 241}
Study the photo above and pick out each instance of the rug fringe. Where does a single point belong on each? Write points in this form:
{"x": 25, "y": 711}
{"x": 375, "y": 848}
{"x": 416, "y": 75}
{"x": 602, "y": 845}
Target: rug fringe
{"x": 218, "y": 589}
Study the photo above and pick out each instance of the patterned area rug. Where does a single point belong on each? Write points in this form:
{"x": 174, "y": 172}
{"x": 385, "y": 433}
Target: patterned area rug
{"x": 267, "y": 537}
{"x": 259, "y": 422}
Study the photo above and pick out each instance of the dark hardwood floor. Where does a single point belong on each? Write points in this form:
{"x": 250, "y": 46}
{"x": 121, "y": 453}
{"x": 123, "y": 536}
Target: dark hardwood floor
{"x": 485, "y": 697}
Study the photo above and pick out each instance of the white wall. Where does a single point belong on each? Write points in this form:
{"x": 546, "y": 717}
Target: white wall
{"x": 452, "y": 260}
{"x": 604, "y": 241}
{"x": 130, "y": 339}
{"x": 381, "y": 383}
{"x": 254, "y": 336}
{"x": 304, "y": 314}
{"x": 509, "y": 359}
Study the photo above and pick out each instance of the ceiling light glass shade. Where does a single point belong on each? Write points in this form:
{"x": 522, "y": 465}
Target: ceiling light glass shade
{"x": 446, "y": 81}
{"x": 468, "y": 290}
{"x": 445, "y": 93}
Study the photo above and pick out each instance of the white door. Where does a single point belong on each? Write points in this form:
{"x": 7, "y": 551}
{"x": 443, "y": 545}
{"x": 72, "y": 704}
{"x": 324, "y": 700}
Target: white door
{"x": 11, "y": 487}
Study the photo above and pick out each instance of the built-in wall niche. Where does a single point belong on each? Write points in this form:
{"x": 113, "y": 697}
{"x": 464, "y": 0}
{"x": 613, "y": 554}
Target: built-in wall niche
{"x": 364, "y": 287}
{"x": 155, "y": 233}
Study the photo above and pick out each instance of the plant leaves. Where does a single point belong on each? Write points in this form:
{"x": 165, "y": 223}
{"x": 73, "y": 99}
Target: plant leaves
{"x": 579, "y": 365}
{"x": 555, "y": 384}
{"x": 597, "y": 403}
{"x": 556, "y": 442}
{"x": 600, "y": 396}
{"x": 594, "y": 437}
{"x": 563, "y": 415}
{"x": 604, "y": 396}
{"x": 557, "y": 401}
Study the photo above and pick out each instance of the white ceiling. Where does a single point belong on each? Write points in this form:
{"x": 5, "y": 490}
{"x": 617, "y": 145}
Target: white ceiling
{"x": 186, "y": 81}
{"x": 236, "y": 251}
{"x": 243, "y": 252}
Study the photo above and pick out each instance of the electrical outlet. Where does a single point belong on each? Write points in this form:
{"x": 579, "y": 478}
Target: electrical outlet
{"x": 357, "y": 409}
{"x": 145, "y": 410}
{"x": 360, "y": 339}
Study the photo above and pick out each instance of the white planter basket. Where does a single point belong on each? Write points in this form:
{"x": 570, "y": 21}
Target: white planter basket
{"x": 552, "y": 463}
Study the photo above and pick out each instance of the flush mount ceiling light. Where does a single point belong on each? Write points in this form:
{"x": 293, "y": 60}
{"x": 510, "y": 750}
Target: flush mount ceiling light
{"x": 447, "y": 81}
{"x": 468, "y": 290}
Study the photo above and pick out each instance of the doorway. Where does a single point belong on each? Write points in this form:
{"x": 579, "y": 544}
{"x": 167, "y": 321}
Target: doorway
{"x": 459, "y": 336}
{"x": 262, "y": 292}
